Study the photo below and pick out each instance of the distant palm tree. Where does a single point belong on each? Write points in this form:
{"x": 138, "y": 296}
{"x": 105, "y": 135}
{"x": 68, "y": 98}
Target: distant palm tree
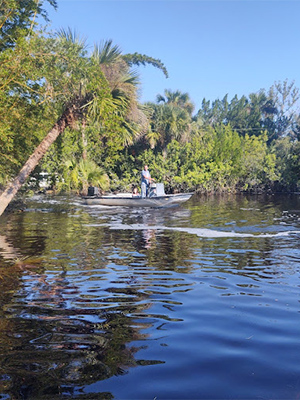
{"x": 168, "y": 122}
{"x": 177, "y": 98}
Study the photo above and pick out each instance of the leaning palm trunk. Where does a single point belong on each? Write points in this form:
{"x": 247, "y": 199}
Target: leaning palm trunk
{"x": 68, "y": 118}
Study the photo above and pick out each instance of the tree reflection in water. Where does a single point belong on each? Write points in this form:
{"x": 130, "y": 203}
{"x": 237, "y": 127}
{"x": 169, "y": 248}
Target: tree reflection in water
{"x": 70, "y": 315}
{"x": 89, "y": 288}
{"x": 50, "y": 347}
{"x": 68, "y": 352}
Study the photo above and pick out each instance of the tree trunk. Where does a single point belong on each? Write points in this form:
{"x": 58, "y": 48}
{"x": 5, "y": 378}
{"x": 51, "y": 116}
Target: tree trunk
{"x": 67, "y": 119}
{"x": 84, "y": 140}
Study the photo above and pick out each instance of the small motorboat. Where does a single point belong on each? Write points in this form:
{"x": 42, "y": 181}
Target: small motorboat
{"x": 157, "y": 198}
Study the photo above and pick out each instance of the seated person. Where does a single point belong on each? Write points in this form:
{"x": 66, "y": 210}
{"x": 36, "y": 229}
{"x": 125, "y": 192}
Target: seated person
{"x": 135, "y": 192}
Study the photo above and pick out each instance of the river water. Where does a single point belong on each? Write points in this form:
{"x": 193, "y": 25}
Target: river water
{"x": 200, "y": 301}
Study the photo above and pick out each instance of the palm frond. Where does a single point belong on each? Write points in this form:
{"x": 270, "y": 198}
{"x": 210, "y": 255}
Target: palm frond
{"x": 71, "y": 36}
{"x": 142, "y": 59}
{"x": 79, "y": 175}
{"x": 160, "y": 98}
{"x": 106, "y": 53}
{"x": 153, "y": 138}
{"x": 130, "y": 78}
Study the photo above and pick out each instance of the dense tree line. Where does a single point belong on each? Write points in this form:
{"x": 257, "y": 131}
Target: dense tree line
{"x": 76, "y": 116}
{"x": 249, "y": 143}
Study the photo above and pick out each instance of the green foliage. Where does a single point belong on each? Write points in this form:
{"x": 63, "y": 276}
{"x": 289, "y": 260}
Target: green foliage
{"x": 243, "y": 144}
{"x": 24, "y": 116}
{"x": 213, "y": 160}
{"x": 285, "y": 97}
{"x": 56, "y": 74}
{"x": 79, "y": 176}
{"x": 258, "y": 166}
{"x": 178, "y": 99}
{"x": 168, "y": 122}
{"x": 17, "y": 19}
{"x": 142, "y": 59}
{"x": 287, "y": 162}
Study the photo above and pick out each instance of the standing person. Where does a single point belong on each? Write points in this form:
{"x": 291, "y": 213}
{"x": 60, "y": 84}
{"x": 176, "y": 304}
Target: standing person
{"x": 146, "y": 180}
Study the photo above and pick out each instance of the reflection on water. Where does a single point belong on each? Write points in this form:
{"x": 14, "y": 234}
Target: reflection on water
{"x": 199, "y": 301}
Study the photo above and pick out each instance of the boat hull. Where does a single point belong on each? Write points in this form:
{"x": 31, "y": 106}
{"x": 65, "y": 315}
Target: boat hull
{"x": 158, "y": 202}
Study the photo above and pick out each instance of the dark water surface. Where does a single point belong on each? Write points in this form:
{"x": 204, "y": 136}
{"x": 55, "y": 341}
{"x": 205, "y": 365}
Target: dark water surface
{"x": 195, "y": 302}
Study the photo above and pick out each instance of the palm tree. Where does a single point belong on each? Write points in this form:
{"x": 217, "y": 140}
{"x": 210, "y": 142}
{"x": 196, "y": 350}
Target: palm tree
{"x": 74, "y": 106}
{"x": 84, "y": 90}
{"x": 79, "y": 176}
{"x": 178, "y": 99}
{"x": 168, "y": 122}
{"x": 124, "y": 83}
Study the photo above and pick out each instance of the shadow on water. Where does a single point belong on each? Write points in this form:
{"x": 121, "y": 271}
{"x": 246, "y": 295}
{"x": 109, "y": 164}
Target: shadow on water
{"x": 86, "y": 290}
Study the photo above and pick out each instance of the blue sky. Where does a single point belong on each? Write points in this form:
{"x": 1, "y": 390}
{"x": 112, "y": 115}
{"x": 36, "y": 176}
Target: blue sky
{"x": 210, "y": 48}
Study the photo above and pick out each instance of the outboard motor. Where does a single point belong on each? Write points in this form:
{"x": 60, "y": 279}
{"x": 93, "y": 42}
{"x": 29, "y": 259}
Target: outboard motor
{"x": 152, "y": 190}
{"x": 157, "y": 189}
{"x": 93, "y": 191}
